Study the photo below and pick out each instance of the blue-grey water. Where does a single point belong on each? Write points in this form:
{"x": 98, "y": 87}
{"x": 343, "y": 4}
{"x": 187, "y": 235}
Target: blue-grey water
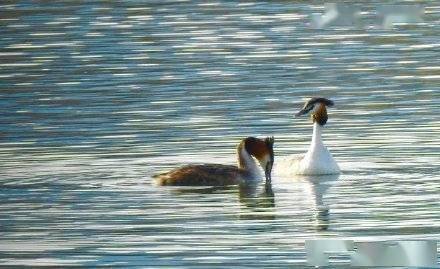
{"x": 97, "y": 96}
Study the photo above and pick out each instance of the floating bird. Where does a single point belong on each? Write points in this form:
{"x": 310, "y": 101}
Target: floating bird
{"x": 221, "y": 175}
{"x": 318, "y": 160}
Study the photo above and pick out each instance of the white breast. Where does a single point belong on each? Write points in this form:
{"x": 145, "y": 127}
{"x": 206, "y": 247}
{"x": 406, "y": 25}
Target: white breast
{"x": 317, "y": 161}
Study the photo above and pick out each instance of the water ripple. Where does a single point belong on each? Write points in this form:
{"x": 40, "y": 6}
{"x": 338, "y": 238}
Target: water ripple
{"x": 97, "y": 97}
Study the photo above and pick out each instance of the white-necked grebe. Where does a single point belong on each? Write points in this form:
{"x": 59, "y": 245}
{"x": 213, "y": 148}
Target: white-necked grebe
{"x": 317, "y": 160}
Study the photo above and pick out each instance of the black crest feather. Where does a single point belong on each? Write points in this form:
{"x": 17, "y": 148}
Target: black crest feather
{"x": 323, "y": 100}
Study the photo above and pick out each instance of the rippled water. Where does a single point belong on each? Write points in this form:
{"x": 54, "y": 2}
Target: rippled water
{"x": 98, "y": 96}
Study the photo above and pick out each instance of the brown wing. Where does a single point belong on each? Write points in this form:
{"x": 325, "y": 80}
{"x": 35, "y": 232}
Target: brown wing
{"x": 201, "y": 175}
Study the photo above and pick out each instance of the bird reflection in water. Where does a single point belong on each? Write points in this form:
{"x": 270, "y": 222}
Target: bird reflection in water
{"x": 316, "y": 187}
{"x": 260, "y": 199}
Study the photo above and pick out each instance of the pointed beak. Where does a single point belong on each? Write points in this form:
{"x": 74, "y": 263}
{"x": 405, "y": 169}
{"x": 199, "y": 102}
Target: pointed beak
{"x": 267, "y": 172}
{"x": 301, "y": 112}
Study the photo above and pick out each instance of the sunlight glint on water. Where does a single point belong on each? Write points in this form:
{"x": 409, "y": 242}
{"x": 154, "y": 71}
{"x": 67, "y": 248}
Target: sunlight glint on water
{"x": 98, "y": 96}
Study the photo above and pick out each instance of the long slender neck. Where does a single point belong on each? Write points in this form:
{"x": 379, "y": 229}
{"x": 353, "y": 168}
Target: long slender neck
{"x": 246, "y": 162}
{"x": 316, "y": 137}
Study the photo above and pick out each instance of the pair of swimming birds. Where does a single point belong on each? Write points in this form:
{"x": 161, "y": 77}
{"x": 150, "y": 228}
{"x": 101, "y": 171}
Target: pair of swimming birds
{"x": 317, "y": 161}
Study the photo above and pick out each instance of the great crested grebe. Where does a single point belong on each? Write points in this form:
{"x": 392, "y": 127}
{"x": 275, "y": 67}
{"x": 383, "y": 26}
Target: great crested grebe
{"x": 318, "y": 160}
{"x": 220, "y": 175}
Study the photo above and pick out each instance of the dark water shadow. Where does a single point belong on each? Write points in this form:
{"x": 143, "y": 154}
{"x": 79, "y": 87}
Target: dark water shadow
{"x": 203, "y": 189}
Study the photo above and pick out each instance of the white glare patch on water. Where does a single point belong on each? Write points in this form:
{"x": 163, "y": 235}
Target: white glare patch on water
{"x": 12, "y": 75}
{"x": 216, "y": 73}
{"x": 69, "y": 83}
{"x": 430, "y": 77}
{"x": 12, "y": 53}
{"x": 209, "y": 4}
{"x": 429, "y": 68}
{"x": 20, "y": 64}
{"x": 124, "y": 74}
{"x": 26, "y": 46}
{"x": 47, "y": 34}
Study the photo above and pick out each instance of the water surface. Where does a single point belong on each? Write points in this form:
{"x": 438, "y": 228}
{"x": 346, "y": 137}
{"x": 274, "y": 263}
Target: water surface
{"x": 98, "y": 96}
